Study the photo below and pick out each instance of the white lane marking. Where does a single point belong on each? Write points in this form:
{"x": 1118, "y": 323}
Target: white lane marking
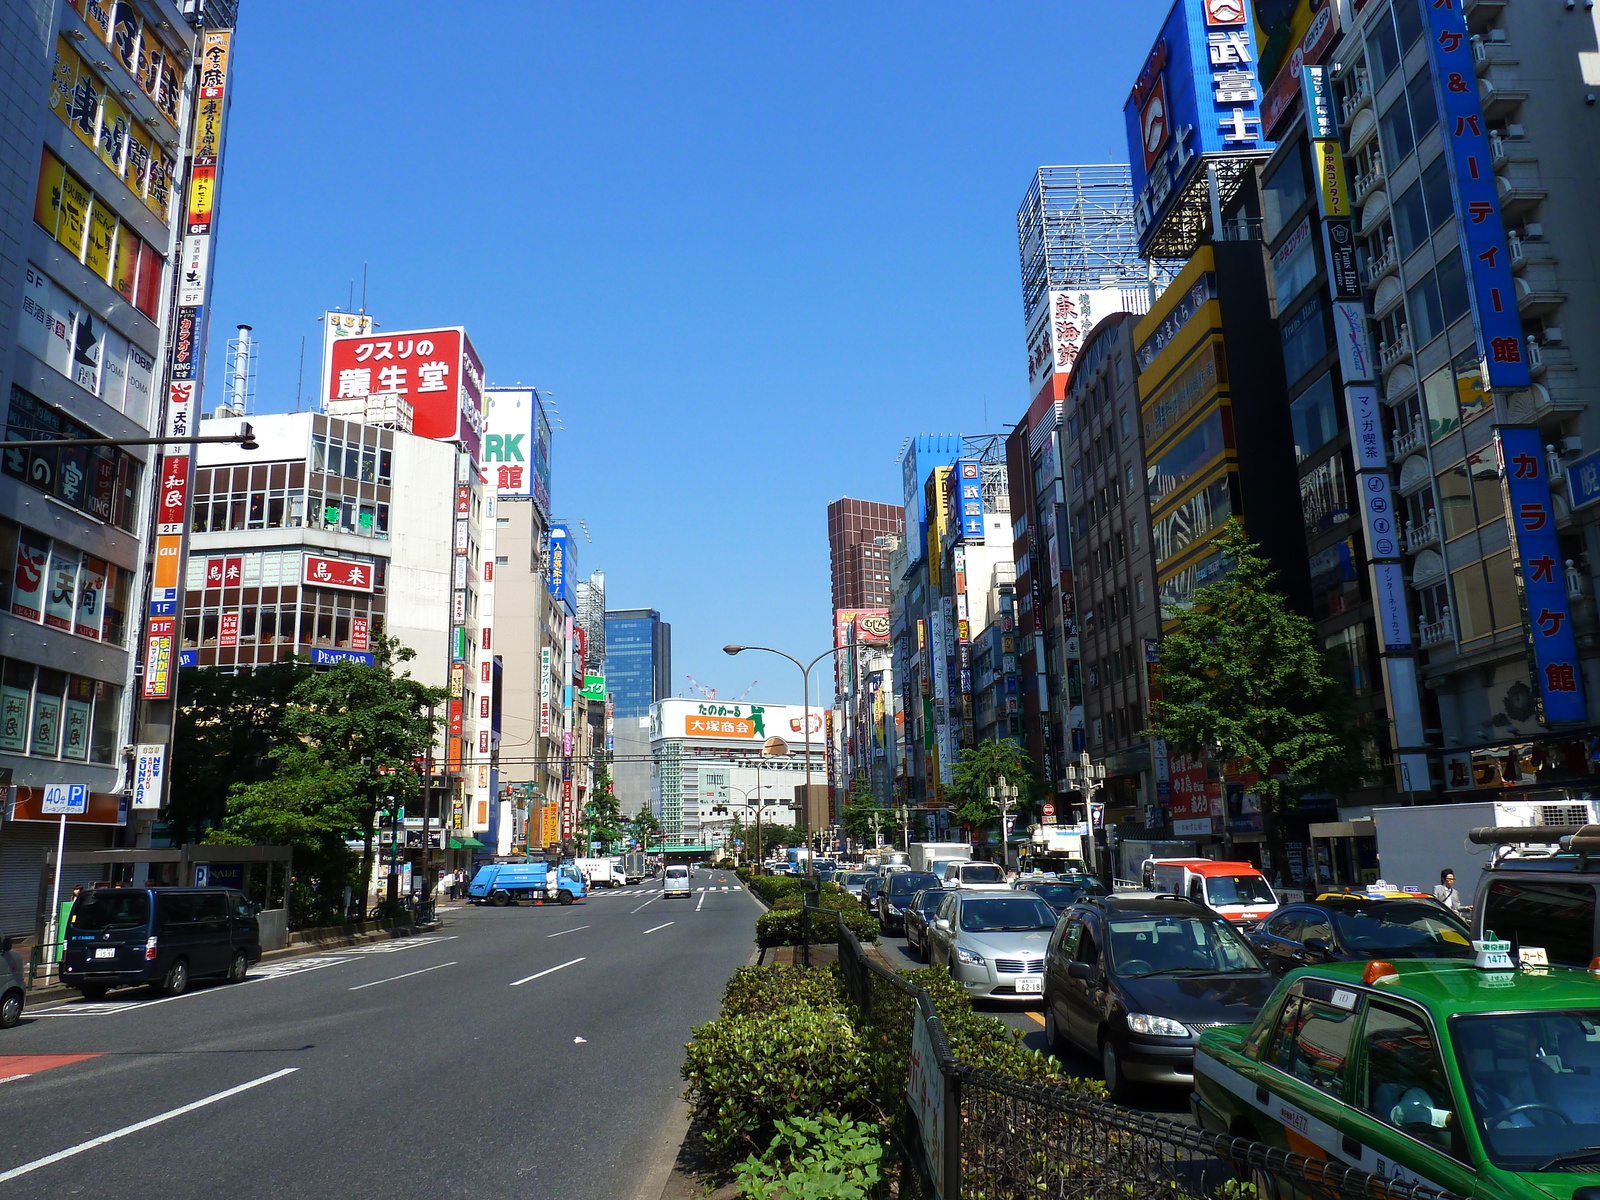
{"x": 547, "y": 971}
{"x": 407, "y": 975}
{"x": 9, "y": 1078}
{"x": 702, "y": 901}
{"x": 92, "y": 1143}
{"x": 661, "y": 926}
{"x": 647, "y": 903}
{"x": 574, "y": 929}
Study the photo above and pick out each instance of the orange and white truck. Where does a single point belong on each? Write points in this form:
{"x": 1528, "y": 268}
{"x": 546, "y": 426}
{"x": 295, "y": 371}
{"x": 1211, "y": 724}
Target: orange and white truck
{"x": 1236, "y": 890}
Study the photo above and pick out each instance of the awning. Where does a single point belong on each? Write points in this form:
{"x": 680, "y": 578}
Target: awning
{"x": 468, "y": 843}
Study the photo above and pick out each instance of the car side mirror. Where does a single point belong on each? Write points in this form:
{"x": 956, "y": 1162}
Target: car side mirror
{"x": 1082, "y": 970}
{"x": 941, "y": 923}
{"x": 1318, "y": 946}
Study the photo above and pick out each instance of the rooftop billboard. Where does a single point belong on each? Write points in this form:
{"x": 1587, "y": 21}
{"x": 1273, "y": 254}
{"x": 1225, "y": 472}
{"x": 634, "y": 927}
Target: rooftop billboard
{"x": 436, "y": 370}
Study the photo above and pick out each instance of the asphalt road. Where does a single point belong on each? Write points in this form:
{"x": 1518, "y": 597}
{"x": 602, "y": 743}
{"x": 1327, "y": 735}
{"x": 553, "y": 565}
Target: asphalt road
{"x": 518, "y": 1051}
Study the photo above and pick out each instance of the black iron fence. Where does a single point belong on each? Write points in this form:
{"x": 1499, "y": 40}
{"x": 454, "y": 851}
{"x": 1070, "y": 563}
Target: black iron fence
{"x": 962, "y": 1131}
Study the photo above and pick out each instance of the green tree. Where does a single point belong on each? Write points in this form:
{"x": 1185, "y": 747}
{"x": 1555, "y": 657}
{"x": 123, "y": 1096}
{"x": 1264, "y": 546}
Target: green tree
{"x": 353, "y": 736}
{"x": 1243, "y": 677}
{"x": 977, "y": 768}
{"x": 862, "y": 816}
{"x": 226, "y": 727}
{"x": 645, "y": 828}
{"x": 602, "y": 812}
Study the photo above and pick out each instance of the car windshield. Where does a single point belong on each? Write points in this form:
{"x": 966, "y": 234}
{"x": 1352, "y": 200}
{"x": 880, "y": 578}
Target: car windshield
{"x": 1178, "y": 945}
{"x": 1058, "y": 895}
{"x": 906, "y": 882}
{"x": 927, "y": 902}
{"x": 1410, "y": 928}
{"x": 1007, "y": 914}
{"x": 981, "y": 873}
{"x": 1238, "y": 889}
{"x": 1530, "y": 1079}
{"x": 111, "y": 909}
{"x": 857, "y": 877}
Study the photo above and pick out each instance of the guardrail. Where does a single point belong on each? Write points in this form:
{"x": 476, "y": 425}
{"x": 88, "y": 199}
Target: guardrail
{"x": 965, "y": 1132}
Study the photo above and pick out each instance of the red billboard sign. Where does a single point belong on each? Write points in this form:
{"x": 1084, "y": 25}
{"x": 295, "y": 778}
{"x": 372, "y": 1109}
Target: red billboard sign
{"x": 337, "y": 573}
{"x": 229, "y": 633}
{"x": 358, "y": 633}
{"x": 174, "y": 498}
{"x": 436, "y": 370}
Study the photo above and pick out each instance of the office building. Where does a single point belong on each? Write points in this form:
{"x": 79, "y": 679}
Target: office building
{"x": 858, "y": 554}
{"x": 638, "y": 660}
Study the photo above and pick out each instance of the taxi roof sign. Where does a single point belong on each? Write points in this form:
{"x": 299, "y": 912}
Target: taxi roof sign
{"x": 1492, "y": 954}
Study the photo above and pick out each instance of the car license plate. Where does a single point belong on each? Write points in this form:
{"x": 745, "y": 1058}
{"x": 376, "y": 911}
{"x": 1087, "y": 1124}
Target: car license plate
{"x": 1030, "y": 983}
{"x": 105, "y": 952}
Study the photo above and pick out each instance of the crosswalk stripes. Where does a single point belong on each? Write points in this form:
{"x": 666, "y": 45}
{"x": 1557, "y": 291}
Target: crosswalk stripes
{"x": 599, "y": 894}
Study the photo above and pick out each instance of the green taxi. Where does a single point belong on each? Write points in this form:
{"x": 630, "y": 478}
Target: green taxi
{"x": 1473, "y": 1076}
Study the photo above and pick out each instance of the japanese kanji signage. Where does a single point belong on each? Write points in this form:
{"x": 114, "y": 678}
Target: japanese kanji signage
{"x": 1536, "y": 555}
{"x": 1366, "y": 429}
{"x": 158, "y": 659}
{"x": 1466, "y": 135}
{"x": 436, "y": 370}
{"x": 338, "y": 573}
{"x": 509, "y": 443}
{"x": 1583, "y": 481}
{"x": 969, "y": 499}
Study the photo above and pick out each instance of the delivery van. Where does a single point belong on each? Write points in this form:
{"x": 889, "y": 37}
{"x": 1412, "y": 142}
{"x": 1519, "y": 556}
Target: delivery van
{"x": 117, "y": 937}
{"x": 676, "y": 881}
{"x": 1236, "y": 890}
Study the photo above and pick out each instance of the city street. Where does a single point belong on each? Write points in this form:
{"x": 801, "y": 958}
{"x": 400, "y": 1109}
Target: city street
{"x": 531, "y": 1049}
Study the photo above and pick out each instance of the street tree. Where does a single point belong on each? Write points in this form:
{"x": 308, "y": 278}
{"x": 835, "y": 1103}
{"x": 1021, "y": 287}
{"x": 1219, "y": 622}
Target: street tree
{"x": 861, "y": 816}
{"x": 602, "y": 812}
{"x": 645, "y": 828}
{"x": 1244, "y": 678}
{"x": 980, "y": 767}
{"x": 354, "y": 737}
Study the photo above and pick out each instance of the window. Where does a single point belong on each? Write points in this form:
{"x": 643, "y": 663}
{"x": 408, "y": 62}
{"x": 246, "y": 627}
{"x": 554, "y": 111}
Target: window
{"x": 1471, "y": 392}
{"x": 1407, "y": 22}
{"x": 1192, "y": 520}
{"x": 1323, "y": 499}
{"x": 1334, "y": 586}
{"x": 1473, "y": 617}
{"x": 1436, "y": 193}
{"x": 1348, "y": 661}
{"x": 1394, "y": 128}
{"x": 1427, "y": 317}
{"x": 1424, "y": 109}
{"x": 1411, "y": 219}
{"x": 1439, "y": 398}
{"x": 102, "y": 482}
{"x": 1453, "y": 299}
{"x": 1314, "y": 414}
{"x": 1305, "y": 339}
{"x": 1312, "y": 1042}
{"x": 1406, "y": 1086}
{"x": 1282, "y": 194}
{"x": 1555, "y": 917}
{"x": 1383, "y": 51}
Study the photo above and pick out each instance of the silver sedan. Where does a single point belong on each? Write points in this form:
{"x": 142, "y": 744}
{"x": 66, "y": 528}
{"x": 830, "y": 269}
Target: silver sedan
{"x": 992, "y": 942}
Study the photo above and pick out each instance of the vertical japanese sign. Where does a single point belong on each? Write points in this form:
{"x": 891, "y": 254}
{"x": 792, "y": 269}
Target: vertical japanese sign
{"x": 186, "y": 359}
{"x": 969, "y": 499}
{"x": 1483, "y": 234}
{"x": 1536, "y": 555}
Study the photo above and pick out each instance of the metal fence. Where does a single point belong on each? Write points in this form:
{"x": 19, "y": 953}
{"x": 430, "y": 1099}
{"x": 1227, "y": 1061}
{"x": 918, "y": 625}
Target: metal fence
{"x": 963, "y": 1131}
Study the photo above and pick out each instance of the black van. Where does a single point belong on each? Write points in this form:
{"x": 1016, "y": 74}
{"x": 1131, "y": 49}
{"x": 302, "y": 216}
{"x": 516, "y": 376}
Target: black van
{"x": 118, "y": 937}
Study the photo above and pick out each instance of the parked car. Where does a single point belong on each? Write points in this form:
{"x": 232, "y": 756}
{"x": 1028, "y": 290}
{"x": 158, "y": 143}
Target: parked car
{"x": 116, "y": 937}
{"x": 992, "y": 942}
{"x": 917, "y": 916}
{"x": 1061, "y": 894}
{"x": 1341, "y": 928}
{"x": 979, "y": 875}
{"x": 1131, "y": 982}
{"x": 1475, "y": 1080}
{"x": 895, "y": 893}
{"x": 13, "y": 985}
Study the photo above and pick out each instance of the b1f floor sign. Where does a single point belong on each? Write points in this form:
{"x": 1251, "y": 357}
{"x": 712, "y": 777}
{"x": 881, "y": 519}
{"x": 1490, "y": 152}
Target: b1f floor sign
{"x": 68, "y": 798}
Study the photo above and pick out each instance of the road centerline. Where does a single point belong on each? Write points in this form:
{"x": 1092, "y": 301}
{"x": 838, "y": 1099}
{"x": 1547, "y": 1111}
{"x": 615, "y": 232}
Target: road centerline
{"x": 661, "y": 926}
{"x": 137, "y": 1126}
{"x": 647, "y": 903}
{"x": 560, "y": 932}
{"x": 701, "y": 901}
{"x": 546, "y": 971}
{"x": 407, "y": 975}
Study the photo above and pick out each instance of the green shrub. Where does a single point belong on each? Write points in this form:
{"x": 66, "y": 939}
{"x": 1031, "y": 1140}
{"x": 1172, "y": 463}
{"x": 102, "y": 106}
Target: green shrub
{"x": 781, "y": 926}
{"x": 770, "y": 887}
{"x": 746, "y": 1073}
{"x": 825, "y": 1158}
{"x": 758, "y": 990}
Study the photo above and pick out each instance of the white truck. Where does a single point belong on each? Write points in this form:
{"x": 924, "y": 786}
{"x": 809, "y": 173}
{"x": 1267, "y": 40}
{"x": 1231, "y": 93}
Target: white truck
{"x": 925, "y": 854}
{"x": 600, "y": 872}
{"x": 1416, "y": 843}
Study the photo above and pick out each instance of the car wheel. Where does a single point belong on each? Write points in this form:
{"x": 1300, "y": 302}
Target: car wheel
{"x": 10, "y": 1009}
{"x": 93, "y": 991}
{"x": 500, "y": 899}
{"x": 1111, "y": 1069}
{"x": 238, "y": 968}
{"x": 564, "y": 897}
{"x": 176, "y": 981}
{"x": 1052, "y": 1033}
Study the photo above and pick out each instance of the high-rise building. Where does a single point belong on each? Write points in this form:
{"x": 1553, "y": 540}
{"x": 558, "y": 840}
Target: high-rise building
{"x": 96, "y": 114}
{"x": 638, "y": 660}
{"x": 858, "y": 551}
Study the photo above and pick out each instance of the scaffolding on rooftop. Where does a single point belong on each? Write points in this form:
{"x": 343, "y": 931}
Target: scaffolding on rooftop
{"x": 1075, "y": 230}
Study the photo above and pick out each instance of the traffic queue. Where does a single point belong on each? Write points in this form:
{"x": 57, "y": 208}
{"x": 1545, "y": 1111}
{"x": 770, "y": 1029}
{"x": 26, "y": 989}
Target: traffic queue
{"x": 1379, "y": 1028}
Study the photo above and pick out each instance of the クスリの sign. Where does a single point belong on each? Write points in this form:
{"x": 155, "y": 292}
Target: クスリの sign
{"x": 437, "y": 370}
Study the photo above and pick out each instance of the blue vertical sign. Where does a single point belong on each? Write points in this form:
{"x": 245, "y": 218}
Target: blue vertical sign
{"x": 969, "y": 499}
{"x": 556, "y": 575}
{"x": 1537, "y": 558}
{"x": 1477, "y": 200}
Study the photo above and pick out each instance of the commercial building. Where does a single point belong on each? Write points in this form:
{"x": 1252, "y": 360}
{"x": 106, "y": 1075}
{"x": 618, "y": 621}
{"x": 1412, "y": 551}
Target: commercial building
{"x": 858, "y": 555}
{"x": 96, "y": 114}
{"x": 638, "y": 660}
{"x": 861, "y": 740}
{"x": 710, "y": 769}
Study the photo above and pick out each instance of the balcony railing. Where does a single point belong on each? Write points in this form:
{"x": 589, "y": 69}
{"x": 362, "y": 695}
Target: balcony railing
{"x": 1358, "y": 93}
{"x": 1408, "y": 440}
{"x": 1437, "y": 633}
{"x": 1425, "y": 534}
{"x": 1382, "y": 264}
{"x": 1396, "y": 348}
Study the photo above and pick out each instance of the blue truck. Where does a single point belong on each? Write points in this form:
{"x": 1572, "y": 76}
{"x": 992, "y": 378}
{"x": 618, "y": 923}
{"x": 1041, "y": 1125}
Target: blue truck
{"x": 501, "y": 884}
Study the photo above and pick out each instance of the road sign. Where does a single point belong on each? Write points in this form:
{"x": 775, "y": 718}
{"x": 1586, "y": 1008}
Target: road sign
{"x": 65, "y": 798}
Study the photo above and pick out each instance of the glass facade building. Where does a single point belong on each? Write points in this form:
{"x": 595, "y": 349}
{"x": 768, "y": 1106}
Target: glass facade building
{"x": 638, "y": 660}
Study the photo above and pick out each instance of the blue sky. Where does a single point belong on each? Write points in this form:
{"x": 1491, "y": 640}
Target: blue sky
{"x": 750, "y": 247}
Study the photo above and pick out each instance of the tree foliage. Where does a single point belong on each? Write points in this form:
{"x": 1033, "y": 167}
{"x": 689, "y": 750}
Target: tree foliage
{"x": 352, "y": 736}
{"x": 979, "y": 767}
{"x": 1243, "y": 675}
{"x": 645, "y": 828}
{"x": 862, "y": 817}
{"x": 602, "y": 811}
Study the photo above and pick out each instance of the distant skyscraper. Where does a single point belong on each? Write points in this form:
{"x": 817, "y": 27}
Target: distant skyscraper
{"x": 858, "y": 559}
{"x": 638, "y": 660}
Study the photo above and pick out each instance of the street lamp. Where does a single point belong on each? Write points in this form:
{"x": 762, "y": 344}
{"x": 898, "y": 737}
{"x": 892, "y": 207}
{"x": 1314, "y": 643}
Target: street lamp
{"x": 758, "y": 807}
{"x": 1006, "y": 794}
{"x": 1087, "y": 777}
{"x": 805, "y": 686}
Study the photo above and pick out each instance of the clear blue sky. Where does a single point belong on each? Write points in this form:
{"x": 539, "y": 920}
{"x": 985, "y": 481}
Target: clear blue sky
{"x": 749, "y": 246}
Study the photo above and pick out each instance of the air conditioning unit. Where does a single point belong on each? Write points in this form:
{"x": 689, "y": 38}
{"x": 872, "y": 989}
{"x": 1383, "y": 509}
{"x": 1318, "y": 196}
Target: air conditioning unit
{"x": 1516, "y": 131}
{"x": 1553, "y": 335}
{"x": 1571, "y": 445}
{"x": 1533, "y": 229}
{"x": 1498, "y": 35}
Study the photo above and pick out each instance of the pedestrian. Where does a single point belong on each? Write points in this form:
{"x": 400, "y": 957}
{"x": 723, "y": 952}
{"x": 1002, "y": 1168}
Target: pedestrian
{"x": 1446, "y": 893}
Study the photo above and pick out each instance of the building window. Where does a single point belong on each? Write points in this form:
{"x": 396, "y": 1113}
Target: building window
{"x": 99, "y": 481}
